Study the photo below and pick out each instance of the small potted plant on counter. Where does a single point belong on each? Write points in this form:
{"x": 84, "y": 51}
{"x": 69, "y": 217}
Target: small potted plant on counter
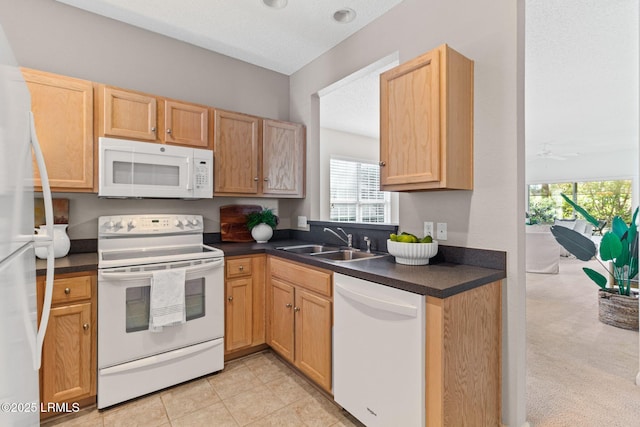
{"x": 617, "y": 303}
{"x": 261, "y": 224}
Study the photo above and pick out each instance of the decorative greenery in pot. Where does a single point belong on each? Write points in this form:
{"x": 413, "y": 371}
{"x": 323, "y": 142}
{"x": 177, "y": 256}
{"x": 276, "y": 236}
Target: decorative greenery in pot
{"x": 620, "y": 245}
{"x": 261, "y": 224}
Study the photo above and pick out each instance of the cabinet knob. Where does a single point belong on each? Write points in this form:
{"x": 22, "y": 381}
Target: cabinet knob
{"x": 153, "y": 129}
{"x": 382, "y": 163}
{"x": 230, "y": 299}
{"x": 241, "y": 268}
{"x": 85, "y": 326}
{"x": 296, "y": 309}
{"x": 67, "y": 291}
{"x": 266, "y": 179}
{"x": 288, "y": 305}
{"x": 255, "y": 178}
{"x": 169, "y": 131}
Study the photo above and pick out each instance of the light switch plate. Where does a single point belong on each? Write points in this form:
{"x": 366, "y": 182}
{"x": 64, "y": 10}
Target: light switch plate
{"x": 302, "y": 221}
{"x": 428, "y": 228}
{"x": 442, "y": 231}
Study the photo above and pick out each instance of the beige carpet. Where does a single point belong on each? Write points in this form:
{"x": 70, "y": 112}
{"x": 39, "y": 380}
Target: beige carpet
{"x": 580, "y": 372}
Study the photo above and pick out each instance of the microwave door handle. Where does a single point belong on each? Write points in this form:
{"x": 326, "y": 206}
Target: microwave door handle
{"x": 189, "y": 174}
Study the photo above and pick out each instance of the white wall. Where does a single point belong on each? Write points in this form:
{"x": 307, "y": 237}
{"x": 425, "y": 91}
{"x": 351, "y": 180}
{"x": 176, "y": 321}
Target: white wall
{"x": 54, "y": 37}
{"x": 347, "y": 145}
{"x": 488, "y": 217}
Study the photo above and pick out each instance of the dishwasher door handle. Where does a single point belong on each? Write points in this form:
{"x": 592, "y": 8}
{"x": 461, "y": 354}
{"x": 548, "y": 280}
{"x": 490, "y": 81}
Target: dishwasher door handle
{"x": 376, "y": 303}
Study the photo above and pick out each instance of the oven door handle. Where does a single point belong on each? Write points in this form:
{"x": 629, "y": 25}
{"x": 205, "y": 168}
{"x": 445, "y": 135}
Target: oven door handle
{"x": 141, "y": 274}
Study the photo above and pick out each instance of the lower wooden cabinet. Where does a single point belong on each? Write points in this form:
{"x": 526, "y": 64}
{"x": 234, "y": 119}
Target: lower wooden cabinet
{"x": 300, "y": 317}
{"x": 68, "y": 370}
{"x": 464, "y": 330}
{"x": 245, "y": 302}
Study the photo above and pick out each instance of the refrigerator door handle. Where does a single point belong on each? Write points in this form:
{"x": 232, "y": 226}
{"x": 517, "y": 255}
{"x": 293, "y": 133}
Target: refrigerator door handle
{"x": 42, "y": 240}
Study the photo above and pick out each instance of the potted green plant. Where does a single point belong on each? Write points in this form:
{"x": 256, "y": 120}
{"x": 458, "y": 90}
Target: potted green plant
{"x": 618, "y": 305}
{"x": 261, "y": 224}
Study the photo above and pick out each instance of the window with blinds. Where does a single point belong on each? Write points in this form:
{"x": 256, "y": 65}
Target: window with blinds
{"x": 355, "y": 192}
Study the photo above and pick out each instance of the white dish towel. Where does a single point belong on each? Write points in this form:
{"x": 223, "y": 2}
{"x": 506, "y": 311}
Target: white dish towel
{"x": 166, "y": 306}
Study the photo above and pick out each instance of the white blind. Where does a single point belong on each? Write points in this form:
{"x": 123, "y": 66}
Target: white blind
{"x": 355, "y": 194}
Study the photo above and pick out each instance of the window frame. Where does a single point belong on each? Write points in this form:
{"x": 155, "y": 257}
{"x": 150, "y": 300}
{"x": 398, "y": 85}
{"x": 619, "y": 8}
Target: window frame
{"x": 358, "y": 202}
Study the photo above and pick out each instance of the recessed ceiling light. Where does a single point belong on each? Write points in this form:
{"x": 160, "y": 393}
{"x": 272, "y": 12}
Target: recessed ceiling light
{"x": 276, "y": 4}
{"x": 345, "y": 15}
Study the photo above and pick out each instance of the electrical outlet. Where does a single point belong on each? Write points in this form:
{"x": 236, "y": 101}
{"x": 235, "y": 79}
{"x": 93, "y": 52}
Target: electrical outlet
{"x": 442, "y": 231}
{"x": 302, "y": 221}
{"x": 428, "y": 228}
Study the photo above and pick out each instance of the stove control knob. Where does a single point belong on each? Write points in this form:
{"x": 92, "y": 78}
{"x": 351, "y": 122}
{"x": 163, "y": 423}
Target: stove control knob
{"x": 179, "y": 223}
{"x": 109, "y": 225}
{"x": 119, "y": 224}
{"x": 132, "y": 224}
{"x": 194, "y": 221}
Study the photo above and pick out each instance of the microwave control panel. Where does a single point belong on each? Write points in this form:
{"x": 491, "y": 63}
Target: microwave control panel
{"x": 203, "y": 175}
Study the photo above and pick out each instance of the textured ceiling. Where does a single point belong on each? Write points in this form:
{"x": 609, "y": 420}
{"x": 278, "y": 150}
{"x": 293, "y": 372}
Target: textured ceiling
{"x": 581, "y": 76}
{"x": 283, "y": 40}
{"x": 581, "y": 59}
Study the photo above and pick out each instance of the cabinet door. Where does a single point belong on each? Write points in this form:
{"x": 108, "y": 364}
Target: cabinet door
{"x": 410, "y": 122}
{"x": 66, "y": 354}
{"x": 128, "y": 114}
{"x": 239, "y": 314}
{"x": 313, "y": 337}
{"x": 186, "y": 124}
{"x": 236, "y": 138}
{"x": 63, "y": 113}
{"x": 283, "y": 159}
{"x": 281, "y": 318}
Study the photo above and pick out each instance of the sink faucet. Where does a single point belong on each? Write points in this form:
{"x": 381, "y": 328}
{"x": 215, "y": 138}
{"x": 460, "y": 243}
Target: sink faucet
{"x": 349, "y": 237}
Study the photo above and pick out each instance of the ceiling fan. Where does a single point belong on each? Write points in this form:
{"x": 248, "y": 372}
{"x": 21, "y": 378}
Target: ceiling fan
{"x": 546, "y": 153}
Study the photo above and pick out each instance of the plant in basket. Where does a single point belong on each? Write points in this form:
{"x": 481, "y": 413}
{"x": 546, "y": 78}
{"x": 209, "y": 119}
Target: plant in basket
{"x": 619, "y": 247}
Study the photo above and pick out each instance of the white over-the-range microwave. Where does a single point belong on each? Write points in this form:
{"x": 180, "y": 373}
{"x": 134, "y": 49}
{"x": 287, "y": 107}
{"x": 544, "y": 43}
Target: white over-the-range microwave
{"x": 142, "y": 169}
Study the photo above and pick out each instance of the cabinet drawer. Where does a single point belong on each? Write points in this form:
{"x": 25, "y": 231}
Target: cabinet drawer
{"x": 238, "y": 267}
{"x": 71, "y": 289}
{"x": 315, "y": 280}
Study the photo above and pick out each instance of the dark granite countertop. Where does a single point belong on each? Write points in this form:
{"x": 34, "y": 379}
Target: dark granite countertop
{"x": 71, "y": 263}
{"x": 452, "y": 271}
{"x": 440, "y": 279}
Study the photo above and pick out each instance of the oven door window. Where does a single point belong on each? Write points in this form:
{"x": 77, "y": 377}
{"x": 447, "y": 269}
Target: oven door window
{"x": 137, "y": 304}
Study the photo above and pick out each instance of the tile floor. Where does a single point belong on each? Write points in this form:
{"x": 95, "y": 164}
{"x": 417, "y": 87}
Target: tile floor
{"x": 258, "y": 390}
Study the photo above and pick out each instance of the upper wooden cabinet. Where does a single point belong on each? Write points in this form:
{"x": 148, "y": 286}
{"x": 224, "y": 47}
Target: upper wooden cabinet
{"x": 283, "y": 155}
{"x": 185, "y": 124}
{"x": 237, "y": 155}
{"x": 63, "y": 113}
{"x": 258, "y": 157}
{"x": 426, "y": 123}
{"x": 129, "y": 114}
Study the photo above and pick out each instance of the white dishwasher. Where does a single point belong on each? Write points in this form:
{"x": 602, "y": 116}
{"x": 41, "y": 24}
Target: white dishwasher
{"x": 378, "y": 352}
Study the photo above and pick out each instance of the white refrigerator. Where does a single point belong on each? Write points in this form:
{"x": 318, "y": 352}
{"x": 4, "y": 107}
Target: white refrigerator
{"x": 20, "y": 338}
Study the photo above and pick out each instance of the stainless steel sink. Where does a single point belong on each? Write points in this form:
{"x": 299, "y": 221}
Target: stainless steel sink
{"x": 332, "y": 253}
{"x": 309, "y": 249}
{"x": 347, "y": 255}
